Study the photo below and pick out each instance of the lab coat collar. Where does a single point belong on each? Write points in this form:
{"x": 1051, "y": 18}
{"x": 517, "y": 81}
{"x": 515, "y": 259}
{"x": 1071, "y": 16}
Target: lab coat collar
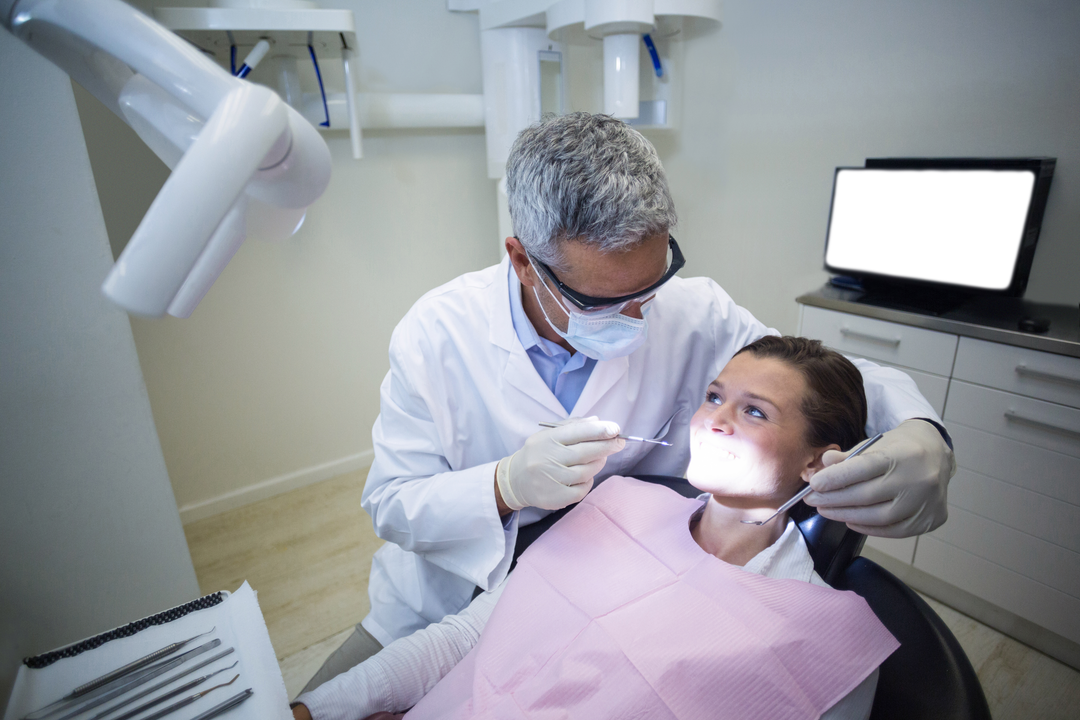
{"x": 520, "y": 371}
{"x": 501, "y": 327}
{"x": 603, "y": 378}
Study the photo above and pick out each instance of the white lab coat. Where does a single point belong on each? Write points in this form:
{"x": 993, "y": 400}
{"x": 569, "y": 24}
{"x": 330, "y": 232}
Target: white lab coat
{"x": 462, "y": 394}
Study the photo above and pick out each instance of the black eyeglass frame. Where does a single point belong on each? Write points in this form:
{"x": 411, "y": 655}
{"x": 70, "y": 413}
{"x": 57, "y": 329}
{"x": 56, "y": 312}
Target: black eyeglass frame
{"x": 587, "y": 302}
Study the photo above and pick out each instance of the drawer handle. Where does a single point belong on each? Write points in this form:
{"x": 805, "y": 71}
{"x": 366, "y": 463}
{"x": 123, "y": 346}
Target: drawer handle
{"x": 1024, "y": 371}
{"x": 848, "y": 332}
{"x": 1014, "y": 416}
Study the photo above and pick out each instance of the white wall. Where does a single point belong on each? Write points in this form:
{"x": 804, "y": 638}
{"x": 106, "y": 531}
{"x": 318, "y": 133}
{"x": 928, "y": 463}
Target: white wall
{"x": 89, "y": 531}
{"x": 788, "y": 90}
{"x": 274, "y": 381}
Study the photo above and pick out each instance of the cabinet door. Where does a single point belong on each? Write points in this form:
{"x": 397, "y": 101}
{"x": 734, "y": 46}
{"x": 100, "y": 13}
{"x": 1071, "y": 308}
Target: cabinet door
{"x": 1051, "y": 474}
{"x": 903, "y": 345}
{"x": 1032, "y": 513}
{"x": 1026, "y": 372}
{"x": 1052, "y": 609}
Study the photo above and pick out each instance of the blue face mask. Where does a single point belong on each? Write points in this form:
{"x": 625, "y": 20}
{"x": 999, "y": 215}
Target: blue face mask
{"x": 602, "y": 336}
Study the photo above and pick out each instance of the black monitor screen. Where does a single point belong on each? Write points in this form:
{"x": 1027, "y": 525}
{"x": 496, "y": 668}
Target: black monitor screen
{"x": 960, "y": 227}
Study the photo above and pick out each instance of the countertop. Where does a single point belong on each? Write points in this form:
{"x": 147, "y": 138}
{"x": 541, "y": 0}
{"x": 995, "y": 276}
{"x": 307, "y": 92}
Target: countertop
{"x": 987, "y": 318}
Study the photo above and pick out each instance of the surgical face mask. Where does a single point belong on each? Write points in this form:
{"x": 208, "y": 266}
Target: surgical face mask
{"x": 603, "y": 335}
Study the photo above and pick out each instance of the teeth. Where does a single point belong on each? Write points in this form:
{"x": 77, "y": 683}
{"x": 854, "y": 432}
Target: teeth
{"x": 721, "y": 454}
{"x": 718, "y": 452}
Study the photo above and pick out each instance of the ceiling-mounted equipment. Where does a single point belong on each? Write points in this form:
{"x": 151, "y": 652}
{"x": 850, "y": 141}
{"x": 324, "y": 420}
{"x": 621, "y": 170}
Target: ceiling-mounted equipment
{"x": 243, "y": 161}
{"x": 293, "y": 33}
{"x": 524, "y": 46}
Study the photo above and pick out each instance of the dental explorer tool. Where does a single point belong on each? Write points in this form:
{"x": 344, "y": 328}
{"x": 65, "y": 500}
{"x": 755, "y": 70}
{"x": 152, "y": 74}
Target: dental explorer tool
{"x": 167, "y": 696}
{"x": 105, "y": 693}
{"x": 187, "y": 701}
{"x": 806, "y": 490}
{"x": 227, "y": 705}
{"x": 621, "y": 437}
{"x": 163, "y": 683}
{"x": 113, "y": 676}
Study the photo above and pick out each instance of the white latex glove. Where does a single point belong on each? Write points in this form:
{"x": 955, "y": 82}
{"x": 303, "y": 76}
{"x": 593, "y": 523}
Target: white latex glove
{"x": 895, "y": 489}
{"x": 556, "y": 466}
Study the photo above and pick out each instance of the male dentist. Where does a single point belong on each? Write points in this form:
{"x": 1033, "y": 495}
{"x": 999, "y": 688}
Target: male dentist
{"x": 584, "y": 318}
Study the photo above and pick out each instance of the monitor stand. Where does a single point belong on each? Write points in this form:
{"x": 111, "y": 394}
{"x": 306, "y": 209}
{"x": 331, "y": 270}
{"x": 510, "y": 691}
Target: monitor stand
{"x": 907, "y": 297}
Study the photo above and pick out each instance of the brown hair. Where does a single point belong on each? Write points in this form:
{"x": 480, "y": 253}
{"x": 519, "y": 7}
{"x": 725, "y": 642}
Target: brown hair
{"x": 835, "y": 402}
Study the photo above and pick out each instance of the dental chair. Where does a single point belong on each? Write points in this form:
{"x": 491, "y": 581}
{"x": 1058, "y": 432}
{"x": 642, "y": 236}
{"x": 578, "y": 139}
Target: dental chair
{"x": 929, "y": 677}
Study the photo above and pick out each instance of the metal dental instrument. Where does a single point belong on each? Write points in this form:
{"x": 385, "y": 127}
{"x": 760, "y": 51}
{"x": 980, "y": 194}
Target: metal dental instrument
{"x": 806, "y": 490}
{"x": 167, "y": 696}
{"x": 87, "y": 690}
{"x": 623, "y": 437}
{"x": 187, "y": 701}
{"x": 135, "y": 665}
{"x": 227, "y": 705}
{"x": 165, "y": 682}
{"x": 105, "y": 693}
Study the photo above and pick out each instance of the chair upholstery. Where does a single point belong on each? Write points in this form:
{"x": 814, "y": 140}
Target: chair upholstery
{"x": 929, "y": 677}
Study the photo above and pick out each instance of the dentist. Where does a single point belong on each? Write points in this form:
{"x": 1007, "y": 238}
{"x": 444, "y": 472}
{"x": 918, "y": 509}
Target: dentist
{"x": 584, "y": 318}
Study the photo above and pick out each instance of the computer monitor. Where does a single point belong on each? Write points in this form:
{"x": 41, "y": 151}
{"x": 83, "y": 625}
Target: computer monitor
{"x": 966, "y": 225}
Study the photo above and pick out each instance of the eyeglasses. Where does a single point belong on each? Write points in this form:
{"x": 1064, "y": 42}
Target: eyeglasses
{"x": 588, "y": 303}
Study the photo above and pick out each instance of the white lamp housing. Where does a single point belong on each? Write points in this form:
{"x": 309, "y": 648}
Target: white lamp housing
{"x": 240, "y": 156}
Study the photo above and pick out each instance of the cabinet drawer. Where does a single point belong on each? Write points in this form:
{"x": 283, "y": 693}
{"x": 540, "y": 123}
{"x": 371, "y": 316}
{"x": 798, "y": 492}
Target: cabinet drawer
{"x": 1027, "y": 372}
{"x": 1052, "y": 609}
{"x": 904, "y": 345}
{"x": 1043, "y": 517}
{"x": 935, "y": 388}
{"x": 1023, "y": 554}
{"x": 1026, "y": 466}
{"x": 1046, "y": 425}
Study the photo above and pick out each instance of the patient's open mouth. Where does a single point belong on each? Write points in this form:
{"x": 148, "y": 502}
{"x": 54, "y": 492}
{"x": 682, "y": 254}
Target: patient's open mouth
{"x": 717, "y": 453}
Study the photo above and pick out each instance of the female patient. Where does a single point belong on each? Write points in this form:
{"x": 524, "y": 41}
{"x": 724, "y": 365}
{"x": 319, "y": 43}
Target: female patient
{"x": 642, "y": 603}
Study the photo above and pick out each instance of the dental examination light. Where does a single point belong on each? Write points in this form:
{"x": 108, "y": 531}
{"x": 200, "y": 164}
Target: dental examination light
{"x": 242, "y": 160}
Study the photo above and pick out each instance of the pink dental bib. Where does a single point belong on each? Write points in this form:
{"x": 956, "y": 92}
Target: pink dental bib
{"x": 617, "y": 613}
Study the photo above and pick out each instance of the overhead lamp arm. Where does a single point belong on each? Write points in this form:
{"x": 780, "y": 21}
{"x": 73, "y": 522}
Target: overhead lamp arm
{"x": 239, "y": 154}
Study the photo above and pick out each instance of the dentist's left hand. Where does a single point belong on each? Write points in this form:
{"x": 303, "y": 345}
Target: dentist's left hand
{"x": 556, "y": 466}
{"x": 897, "y": 488}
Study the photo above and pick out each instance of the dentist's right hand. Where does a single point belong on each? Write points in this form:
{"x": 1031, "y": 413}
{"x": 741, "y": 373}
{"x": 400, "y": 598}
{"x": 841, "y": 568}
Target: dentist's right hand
{"x": 556, "y": 466}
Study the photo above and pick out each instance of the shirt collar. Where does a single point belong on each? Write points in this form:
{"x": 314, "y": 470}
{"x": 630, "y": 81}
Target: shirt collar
{"x": 522, "y": 325}
{"x": 783, "y": 558}
{"x": 787, "y": 558}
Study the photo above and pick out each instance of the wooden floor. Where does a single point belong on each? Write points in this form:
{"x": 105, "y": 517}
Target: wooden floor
{"x": 307, "y": 554}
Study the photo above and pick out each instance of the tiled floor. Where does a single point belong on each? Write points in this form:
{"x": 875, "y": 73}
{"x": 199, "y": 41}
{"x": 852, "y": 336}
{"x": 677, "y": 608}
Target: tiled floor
{"x": 307, "y": 554}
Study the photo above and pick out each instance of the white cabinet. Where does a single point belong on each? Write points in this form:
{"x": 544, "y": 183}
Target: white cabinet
{"x": 926, "y": 355}
{"x": 1013, "y": 534}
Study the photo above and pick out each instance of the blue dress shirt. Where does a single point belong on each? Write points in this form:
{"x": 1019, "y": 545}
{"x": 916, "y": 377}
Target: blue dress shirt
{"x": 563, "y": 373}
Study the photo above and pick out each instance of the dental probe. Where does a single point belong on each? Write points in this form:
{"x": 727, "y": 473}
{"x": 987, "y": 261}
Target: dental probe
{"x": 103, "y": 694}
{"x": 187, "y": 701}
{"x": 167, "y": 681}
{"x": 806, "y": 490}
{"x": 622, "y": 437}
{"x": 107, "y": 678}
{"x": 167, "y": 696}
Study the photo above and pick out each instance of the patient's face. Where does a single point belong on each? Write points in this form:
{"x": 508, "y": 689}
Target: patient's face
{"x": 747, "y": 440}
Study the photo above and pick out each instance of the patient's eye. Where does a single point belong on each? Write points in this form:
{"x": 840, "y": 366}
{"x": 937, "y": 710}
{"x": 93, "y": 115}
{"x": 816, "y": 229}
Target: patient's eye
{"x": 755, "y": 411}
{"x": 711, "y": 397}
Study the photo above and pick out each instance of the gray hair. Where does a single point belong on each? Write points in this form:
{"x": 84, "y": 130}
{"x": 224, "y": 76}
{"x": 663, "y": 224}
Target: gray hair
{"x": 585, "y": 177}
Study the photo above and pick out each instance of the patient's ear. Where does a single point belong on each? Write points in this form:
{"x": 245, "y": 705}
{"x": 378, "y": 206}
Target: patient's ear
{"x": 816, "y": 462}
